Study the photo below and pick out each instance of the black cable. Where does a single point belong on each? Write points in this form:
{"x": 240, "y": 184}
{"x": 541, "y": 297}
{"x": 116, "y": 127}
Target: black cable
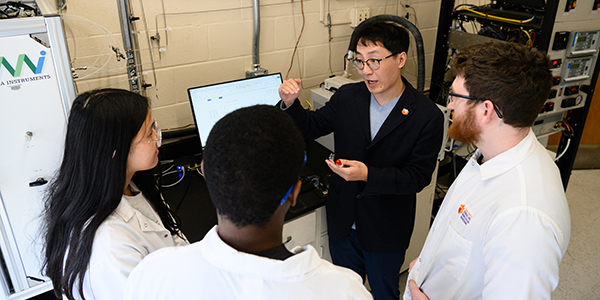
{"x": 470, "y": 154}
{"x": 440, "y": 192}
{"x": 454, "y": 165}
{"x": 493, "y": 32}
{"x": 570, "y": 132}
{"x": 189, "y": 182}
{"x": 437, "y": 185}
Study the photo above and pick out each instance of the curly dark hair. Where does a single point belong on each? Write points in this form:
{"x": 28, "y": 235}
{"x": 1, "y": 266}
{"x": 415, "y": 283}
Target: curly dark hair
{"x": 517, "y": 78}
{"x": 252, "y": 157}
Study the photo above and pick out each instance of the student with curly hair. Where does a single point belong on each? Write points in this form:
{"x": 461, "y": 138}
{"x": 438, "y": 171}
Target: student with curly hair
{"x": 252, "y": 160}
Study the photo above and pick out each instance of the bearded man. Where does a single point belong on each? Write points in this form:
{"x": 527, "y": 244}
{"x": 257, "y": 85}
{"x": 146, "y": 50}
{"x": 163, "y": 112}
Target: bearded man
{"x": 504, "y": 224}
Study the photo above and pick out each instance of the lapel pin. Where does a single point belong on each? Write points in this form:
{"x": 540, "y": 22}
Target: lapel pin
{"x": 405, "y": 111}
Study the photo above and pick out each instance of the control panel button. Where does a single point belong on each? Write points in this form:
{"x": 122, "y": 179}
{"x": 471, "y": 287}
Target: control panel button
{"x": 568, "y": 102}
{"x": 561, "y": 39}
{"x": 571, "y": 90}
{"x": 555, "y": 80}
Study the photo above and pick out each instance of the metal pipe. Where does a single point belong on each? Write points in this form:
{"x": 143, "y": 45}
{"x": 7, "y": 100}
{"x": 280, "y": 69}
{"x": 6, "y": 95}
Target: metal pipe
{"x": 132, "y": 73}
{"x": 256, "y": 36}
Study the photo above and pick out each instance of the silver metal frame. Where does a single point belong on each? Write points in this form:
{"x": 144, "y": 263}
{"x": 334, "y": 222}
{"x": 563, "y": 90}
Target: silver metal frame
{"x": 60, "y": 55}
{"x": 14, "y": 27}
{"x": 51, "y": 25}
{"x": 10, "y": 252}
{"x": 132, "y": 72}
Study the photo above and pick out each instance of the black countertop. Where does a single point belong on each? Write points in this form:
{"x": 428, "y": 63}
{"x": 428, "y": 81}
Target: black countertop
{"x": 190, "y": 198}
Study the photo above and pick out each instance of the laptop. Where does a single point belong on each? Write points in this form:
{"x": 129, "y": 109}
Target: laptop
{"x": 212, "y": 102}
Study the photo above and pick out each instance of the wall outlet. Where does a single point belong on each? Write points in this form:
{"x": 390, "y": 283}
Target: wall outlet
{"x": 358, "y": 15}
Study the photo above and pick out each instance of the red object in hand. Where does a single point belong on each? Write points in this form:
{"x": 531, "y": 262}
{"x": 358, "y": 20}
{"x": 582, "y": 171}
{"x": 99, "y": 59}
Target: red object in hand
{"x": 339, "y": 163}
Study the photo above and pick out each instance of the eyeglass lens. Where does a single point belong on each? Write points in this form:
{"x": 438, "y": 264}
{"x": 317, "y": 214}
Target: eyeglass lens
{"x": 158, "y": 133}
{"x": 158, "y": 139}
{"x": 372, "y": 63}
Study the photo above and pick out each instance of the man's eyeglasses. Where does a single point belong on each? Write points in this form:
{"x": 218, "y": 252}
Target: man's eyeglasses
{"x": 371, "y": 62}
{"x": 287, "y": 194}
{"x": 451, "y": 94}
{"x": 158, "y": 140}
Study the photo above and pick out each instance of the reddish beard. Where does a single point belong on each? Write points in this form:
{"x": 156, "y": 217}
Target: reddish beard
{"x": 464, "y": 128}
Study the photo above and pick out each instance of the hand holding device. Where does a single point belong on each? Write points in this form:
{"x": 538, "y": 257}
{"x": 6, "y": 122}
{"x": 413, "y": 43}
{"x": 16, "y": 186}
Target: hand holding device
{"x": 338, "y": 162}
{"x": 350, "y": 170}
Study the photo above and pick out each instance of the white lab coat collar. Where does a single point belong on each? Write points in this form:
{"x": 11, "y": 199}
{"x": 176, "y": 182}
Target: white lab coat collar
{"x": 126, "y": 212}
{"x": 506, "y": 160}
{"x": 225, "y": 257}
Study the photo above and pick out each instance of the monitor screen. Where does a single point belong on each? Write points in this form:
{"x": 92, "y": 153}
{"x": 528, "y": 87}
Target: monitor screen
{"x": 212, "y": 102}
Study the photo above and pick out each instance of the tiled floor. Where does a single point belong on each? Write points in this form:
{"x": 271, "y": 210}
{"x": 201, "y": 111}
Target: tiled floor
{"x": 580, "y": 268}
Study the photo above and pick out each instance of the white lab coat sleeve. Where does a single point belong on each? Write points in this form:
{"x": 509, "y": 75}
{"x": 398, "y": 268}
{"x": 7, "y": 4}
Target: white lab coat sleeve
{"x": 412, "y": 275}
{"x": 522, "y": 252}
{"x": 117, "y": 250}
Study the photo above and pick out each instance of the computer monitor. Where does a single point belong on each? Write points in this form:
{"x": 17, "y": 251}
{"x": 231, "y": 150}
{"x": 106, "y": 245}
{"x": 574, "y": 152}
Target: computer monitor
{"x": 212, "y": 102}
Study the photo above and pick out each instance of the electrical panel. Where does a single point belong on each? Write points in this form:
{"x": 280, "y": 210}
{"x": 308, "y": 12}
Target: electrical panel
{"x": 502, "y": 20}
{"x": 583, "y": 43}
{"x": 569, "y": 31}
{"x": 577, "y": 69}
{"x": 575, "y": 42}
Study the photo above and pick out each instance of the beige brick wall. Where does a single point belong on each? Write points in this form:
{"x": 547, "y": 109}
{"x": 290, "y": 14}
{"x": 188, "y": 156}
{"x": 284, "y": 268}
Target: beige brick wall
{"x": 204, "y": 42}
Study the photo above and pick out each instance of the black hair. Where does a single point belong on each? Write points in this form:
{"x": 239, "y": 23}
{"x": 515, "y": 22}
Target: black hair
{"x": 252, "y": 157}
{"x": 90, "y": 181}
{"x": 390, "y": 34}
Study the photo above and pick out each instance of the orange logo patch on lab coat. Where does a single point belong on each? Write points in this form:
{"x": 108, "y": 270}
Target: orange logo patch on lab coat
{"x": 465, "y": 215}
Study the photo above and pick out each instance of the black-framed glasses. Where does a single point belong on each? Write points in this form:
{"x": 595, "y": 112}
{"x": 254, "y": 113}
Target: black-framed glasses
{"x": 451, "y": 94}
{"x": 373, "y": 63}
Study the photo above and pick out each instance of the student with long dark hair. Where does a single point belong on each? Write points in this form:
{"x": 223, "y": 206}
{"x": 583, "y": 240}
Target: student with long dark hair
{"x": 104, "y": 212}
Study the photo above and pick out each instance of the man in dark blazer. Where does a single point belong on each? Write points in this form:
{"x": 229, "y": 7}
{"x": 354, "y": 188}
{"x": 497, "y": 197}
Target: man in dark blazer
{"x": 387, "y": 136}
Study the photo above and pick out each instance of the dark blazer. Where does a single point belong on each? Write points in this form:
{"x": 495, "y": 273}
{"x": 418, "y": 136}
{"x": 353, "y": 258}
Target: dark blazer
{"x": 400, "y": 160}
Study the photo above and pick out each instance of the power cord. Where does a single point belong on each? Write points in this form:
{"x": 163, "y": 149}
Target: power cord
{"x": 568, "y": 132}
{"x": 178, "y": 170}
{"x": 297, "y": 41}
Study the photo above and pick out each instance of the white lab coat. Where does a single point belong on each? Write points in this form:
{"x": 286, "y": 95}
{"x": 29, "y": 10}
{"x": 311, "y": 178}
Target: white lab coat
{"x": 121, "y": 242}
{"x": 501, "y": 231}
{"x": 211, "y": 269}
